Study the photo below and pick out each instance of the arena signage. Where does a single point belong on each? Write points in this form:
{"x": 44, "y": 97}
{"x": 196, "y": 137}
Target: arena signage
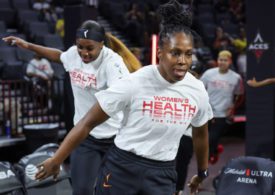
{"x": 248, "y": 176}
{"x": 258, "y": 46}
{"x": 6, "y": 174}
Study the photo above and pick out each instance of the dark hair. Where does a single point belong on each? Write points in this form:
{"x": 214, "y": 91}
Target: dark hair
{"x": 94, "y": 26}
{"x": 115, "y": 44}
{"x": 175, "y": 17}
{"x": 196, "y": 67}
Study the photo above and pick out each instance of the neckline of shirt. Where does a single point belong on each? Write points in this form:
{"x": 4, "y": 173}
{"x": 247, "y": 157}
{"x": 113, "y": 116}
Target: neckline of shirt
{"x": 163, "y": 80}
{"x": 97, "y": 62}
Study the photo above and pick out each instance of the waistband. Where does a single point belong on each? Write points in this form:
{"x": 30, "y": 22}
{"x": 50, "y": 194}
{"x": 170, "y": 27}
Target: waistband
{"x": 103, "y": 141}
{"x": 141, "y": 160}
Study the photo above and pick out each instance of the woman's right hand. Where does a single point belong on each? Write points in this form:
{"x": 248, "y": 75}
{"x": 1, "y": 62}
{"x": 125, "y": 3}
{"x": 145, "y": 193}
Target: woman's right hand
{"x": 48, "y": 168}
{"x": 11, "y": 40}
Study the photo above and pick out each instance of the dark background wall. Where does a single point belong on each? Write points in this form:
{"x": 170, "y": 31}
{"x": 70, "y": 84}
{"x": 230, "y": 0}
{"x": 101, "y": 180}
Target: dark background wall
{"x": 260, "y": 129}
{"x": 74, "y": 16}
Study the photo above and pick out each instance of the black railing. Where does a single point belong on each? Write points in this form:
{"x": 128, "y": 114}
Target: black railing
{"x": 29, "y": 102}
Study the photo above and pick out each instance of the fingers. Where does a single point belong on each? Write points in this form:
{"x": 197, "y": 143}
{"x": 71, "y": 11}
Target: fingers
{"x": 44, "y": 172}
{"x": 194, "y": 185}
{"x": 10, "y": 40}
{"x": 41, "y": 174}
{"x": 193, "y": 188}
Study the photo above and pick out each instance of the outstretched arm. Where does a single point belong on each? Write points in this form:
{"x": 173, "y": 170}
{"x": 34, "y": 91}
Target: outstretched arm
{"x": 200, "y": 143}
{"x": 46, "y": 52}
{"x": 51, "y": 166}
{"x": 254, "y": 83}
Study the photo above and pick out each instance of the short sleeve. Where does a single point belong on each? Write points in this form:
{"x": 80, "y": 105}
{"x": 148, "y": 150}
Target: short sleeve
{"x": 116, "y": 70}
{"x": 239, "y": 89}
{"x": 68, "y": 57}
{"x": 116, "y": 98}
{"x": 204, "y": 113}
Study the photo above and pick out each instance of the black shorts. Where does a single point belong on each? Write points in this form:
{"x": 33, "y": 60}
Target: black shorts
{"x": 86, "y": 161}
{"x": 124, "y": 173}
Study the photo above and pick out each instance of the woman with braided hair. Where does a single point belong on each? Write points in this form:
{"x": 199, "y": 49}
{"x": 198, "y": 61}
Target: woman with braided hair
{"x": 159, "y": 103}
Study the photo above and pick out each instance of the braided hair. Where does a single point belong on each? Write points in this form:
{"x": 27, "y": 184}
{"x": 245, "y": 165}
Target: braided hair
{"x": 174, "y": 18}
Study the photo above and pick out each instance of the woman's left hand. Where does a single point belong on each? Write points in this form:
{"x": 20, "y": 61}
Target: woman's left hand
{"x": 194, "y": 184}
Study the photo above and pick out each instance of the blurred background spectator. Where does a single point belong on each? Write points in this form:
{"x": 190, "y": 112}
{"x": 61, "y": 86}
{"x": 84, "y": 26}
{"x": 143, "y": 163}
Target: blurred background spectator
{"x": 39, "y": 68}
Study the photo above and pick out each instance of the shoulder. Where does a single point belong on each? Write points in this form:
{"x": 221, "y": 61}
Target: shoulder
{"x": 70, "y": 58}
{"x": 195, "y": 87}
{"x": 33, "y": 60}
{"x": 196, "y": 83}
{"x": 143, "y": 75}
{"x": 111, "y": 58}
{"x": 70, "y": 54}
{"x": 146, "y": 72}
{"x": 109, "y": 54}
{"x": 72, "y": 49}
{"x": 235, "y": 74}
{"x": 211, "y": 71}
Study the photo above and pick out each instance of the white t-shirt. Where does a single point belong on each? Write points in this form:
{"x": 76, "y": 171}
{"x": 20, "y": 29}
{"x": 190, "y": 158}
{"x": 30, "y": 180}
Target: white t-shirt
{"x": 87, "y": 79}
{"x": 40, "y": 68}
{"x": 156, "y": 112}
{"x": 221, "y": 89}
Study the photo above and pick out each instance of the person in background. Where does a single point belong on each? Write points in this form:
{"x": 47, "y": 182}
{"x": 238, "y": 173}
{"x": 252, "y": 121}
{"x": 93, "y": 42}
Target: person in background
{"x": 221, "y": 42}
{"x": 92, "y": 67}
{"x": 41, "y": 73}
{"x": 134, "y": 27}
{"x": 225, "y": 90}
{"x": 40, "y": 5}
{"x": 39, "y": 68}
{"x": 254, "y": 83}
{"x": 59, "y": 26}
{"x": 240, "y": 44}
{"x": 142, "y": 160}
{"x": 196, "y": 69}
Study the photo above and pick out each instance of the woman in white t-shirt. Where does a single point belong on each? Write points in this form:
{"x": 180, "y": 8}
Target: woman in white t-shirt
{"x": 92, "y": 67}
{"x": 159, "y": 102}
